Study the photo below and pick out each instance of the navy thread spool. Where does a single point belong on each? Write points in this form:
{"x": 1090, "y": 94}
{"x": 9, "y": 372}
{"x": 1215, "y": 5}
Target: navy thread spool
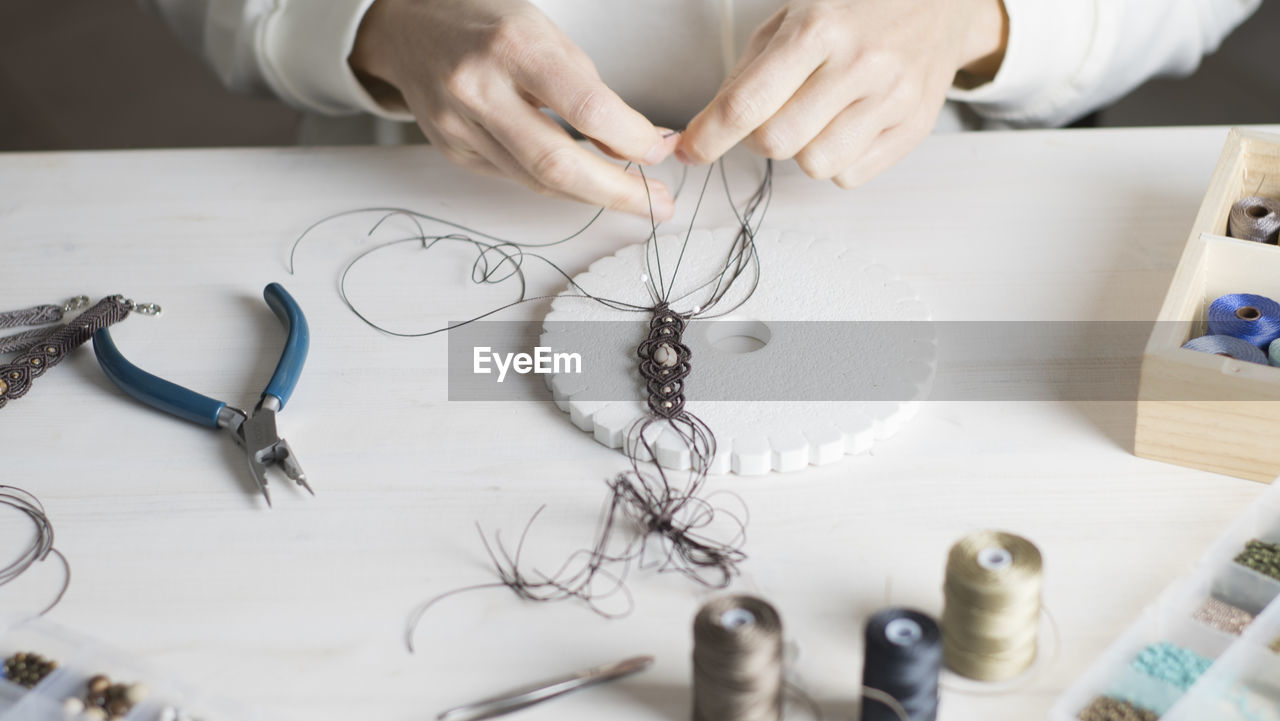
{"x": 1229, "y": 346}
{"x": 1255, "y": 218}
{"x": 1250, "y": 317}
{"x": 904, "y": 660}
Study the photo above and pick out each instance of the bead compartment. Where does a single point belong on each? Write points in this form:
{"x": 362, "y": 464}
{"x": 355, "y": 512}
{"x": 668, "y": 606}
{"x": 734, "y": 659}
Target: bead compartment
{"x": 1245, "y": 669}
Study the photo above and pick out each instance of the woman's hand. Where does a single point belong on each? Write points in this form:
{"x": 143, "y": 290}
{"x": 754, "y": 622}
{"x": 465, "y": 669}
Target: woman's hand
{"x": 847, "y": 87}
{"x": 476, "y": 73}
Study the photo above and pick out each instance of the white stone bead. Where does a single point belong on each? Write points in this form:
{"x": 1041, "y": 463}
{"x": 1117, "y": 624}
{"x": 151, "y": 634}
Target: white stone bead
{"x": 137, "y": 693}
{"x": 665, "y": 355}
{"x": 72, "y": 705}
{"x": 93, "y": 713}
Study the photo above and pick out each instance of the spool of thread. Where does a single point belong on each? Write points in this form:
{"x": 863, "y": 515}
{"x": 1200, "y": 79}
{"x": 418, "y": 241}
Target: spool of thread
{"x": 991, "y": 618}
{"x": 737, "y": 661}
{"x": 1250, "y": 317}
{"x": 1273, "y": 352}
{"x": 904, "y": 660}
{"x": 1230, "y": 346}
{"x": 1255, "y": 218}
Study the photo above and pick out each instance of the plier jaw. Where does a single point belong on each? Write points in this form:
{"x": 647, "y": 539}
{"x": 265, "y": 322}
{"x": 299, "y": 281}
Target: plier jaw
{"x": 255, "y": 433}
{"x": 264, "y": 447}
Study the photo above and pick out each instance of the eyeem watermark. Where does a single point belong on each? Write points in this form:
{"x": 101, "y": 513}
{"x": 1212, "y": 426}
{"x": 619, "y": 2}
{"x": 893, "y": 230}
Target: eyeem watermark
{"x": 542, "y": 360}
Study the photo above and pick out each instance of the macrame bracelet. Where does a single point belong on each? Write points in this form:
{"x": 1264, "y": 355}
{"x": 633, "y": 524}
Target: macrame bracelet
{"x": 17, "y": 375}
{"x": 664, "y": 362}
{"x": 24, "y": 340}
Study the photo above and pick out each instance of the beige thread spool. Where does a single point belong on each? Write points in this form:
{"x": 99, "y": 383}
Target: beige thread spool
{"x": 737, "y": 661}
{"x": 991, "y": 618}
{"x": 1255, "y": 219}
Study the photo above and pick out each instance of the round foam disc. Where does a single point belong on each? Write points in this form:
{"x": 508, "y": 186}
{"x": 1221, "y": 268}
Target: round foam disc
{"x": 826, "y": 356}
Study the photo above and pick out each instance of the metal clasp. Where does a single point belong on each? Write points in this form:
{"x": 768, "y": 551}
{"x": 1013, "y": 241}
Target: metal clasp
{"x": 143, "y": 308}
{"x": 76, "y": 303}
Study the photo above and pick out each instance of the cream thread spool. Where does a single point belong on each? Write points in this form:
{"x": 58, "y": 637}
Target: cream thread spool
{"x": 991, "y": 618}
{"x": 737, "y": 661}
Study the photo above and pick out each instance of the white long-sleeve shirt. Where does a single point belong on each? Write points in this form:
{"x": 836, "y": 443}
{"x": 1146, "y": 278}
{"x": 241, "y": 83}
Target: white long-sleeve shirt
{"x": 667, "y": 57}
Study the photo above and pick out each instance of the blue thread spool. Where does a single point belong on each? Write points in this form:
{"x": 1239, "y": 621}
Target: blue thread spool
{"x": 1253, "y": 318}
{"x": 1229, "y": 346}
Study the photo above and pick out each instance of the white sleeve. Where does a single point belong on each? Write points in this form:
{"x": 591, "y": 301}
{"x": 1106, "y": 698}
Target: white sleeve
{"x": 296, "y": 49}
{"x": 1066, "y": 58}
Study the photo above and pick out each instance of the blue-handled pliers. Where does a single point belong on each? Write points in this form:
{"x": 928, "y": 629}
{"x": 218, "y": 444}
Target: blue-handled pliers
{"x": 255, "y": 433}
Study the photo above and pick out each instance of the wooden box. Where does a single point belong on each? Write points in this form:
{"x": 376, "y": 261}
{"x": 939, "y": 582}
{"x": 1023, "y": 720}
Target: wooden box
{"x": 1202, "y": 410}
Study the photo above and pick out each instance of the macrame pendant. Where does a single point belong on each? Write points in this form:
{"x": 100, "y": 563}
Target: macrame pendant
{"x": 664, "y": 362}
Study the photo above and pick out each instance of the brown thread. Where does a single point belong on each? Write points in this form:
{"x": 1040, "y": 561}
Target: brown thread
{"x": 737, "y": 661}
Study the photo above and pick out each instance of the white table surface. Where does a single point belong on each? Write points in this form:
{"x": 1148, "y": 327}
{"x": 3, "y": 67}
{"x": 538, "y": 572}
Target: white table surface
{"x": 299, "y": 610}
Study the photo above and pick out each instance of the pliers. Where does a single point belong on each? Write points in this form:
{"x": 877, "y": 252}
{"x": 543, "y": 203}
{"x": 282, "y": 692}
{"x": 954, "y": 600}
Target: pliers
{"x": 256, "y": 433}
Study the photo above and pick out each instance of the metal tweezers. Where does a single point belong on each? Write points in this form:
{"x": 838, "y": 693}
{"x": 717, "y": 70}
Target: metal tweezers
{"x": 537, "y": 693}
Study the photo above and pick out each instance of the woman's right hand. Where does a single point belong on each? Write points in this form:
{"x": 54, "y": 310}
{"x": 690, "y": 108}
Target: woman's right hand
{"x": 476, "y": 74}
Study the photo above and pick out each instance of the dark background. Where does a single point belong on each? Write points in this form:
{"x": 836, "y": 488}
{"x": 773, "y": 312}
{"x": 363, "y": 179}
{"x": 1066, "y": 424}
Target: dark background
{"x": 83, "y": 74}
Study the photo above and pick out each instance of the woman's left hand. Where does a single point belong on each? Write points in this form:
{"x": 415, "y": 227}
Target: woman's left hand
{"x": 847, "y": 87}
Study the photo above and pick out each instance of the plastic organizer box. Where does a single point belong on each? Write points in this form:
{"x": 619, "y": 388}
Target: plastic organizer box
{"x": 79, "y": 659}
{"x": 1242, "y": 678}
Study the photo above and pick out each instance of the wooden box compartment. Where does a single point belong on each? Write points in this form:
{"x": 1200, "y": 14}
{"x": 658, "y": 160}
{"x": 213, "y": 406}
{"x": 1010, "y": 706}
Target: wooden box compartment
{"x": 1202, "y": 410}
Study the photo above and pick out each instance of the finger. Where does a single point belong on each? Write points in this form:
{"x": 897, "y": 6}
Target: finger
{"x": 845, "y": 139}
{"x": 559, "y": 166}
{"x": 890, "y": 147}
{"x": 670, "y": 138}
{"x": 454, "y": 145}
{"x": 751, "y": 98}
{"x": 492, "y": 153}
{"x": 570, "y": 86}
{"x": 823, "y": 97}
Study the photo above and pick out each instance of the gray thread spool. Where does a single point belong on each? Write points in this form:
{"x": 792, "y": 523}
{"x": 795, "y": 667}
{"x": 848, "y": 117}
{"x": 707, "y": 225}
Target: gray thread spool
{"x": 1256, "y": 219}
{"x": 737, "y": 661}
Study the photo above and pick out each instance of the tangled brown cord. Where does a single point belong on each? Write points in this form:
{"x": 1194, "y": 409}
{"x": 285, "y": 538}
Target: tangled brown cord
{"x": 679, "y": 519}
{"x": 41, "y": 546}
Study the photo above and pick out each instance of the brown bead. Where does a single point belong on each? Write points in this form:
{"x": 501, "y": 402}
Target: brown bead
{"x": 99, "y": 684}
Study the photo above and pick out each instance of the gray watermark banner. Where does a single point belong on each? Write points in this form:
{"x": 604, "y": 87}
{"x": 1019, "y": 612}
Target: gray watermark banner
{"x": 735, "y": 360}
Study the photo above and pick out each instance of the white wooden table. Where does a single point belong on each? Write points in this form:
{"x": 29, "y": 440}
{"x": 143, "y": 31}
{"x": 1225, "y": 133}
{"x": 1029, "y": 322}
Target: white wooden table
{"x": 300, "y": 610}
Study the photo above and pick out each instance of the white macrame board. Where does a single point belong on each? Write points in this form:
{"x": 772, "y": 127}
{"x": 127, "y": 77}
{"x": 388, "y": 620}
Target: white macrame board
{"x": 802, "y": 278}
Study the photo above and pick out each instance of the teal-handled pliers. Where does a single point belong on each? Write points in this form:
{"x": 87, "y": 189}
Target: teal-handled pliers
{"x": 256, "y": 433}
